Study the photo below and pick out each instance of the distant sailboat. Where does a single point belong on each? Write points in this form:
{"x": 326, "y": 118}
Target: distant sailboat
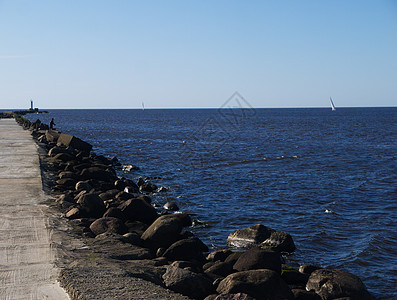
{"x": 143, "y": 106}
{"x": 332, "y": 104}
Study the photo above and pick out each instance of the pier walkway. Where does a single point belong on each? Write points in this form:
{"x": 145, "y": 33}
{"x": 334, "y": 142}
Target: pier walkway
{"x": 27, "y": 268}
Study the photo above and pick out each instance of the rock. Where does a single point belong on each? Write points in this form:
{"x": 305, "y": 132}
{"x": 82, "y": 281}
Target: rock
{"x": 188, "y": 265}
{"x": 220, "y": 269}
{"x": 93, "y": 204}
{"x": 115, "y": 213}
{"x": 136, "y": 227}
{"x": 308, "y": 269}
{"x": 261, "y": 235}
{"x": 259, "y": 284}
{"x": 219, "y": 255}
{"x": 112, "y": 247}
{"x": 332, "y": 284}
{"x": 110, "y": 194}
{"x": 292, "y": 276}
{"x": 65, "y": 157}
{"x": 120, "y": 185}
{"x": 187, "y": 250}
{"x": 72, "y": 141}
{"x": 68, "y": 183}
{"x": 187, "y": 283}
{"x": 68, "y": 174}
{"x": 74, "y": 213}
{"x": 52, "y": 135}
{"x": 97, "y": 173}
{"x": 163, "y": 232}
{"x": 131, "y": 189}
{"x": 232, "y": 258}
{"x": 147, "y": 187}
{"x": 257, "y": 258}
{"x": 238, "y": 296}
{"x": 171, "y": 206}
{"x": 300, "y": 294}
{"x": 108, "y": 224}
{"x": 139, "y": 210}
{"x": 55, "y": 150}
{"x": 83, "y": 186}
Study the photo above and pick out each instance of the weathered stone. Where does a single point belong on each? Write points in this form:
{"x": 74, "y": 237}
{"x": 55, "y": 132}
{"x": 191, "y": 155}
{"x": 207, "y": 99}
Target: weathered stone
{"x": 108, "y": 224}
{"x": 74, "y": 213}
{"x": 260, "y": 284}
{"x": 138, "y": 210}
{"x": 219, "y": 255}
{"x": 163, "y": 232}
{"x": 115, "y": 213}
{"x": 72, "y": 141}
{"x": 147, "y": 187}
{"x": 52, "y": 135}
{"x": 67, "y": 182}
{"x": 136, "y": 227}
{"x": 261, "y": 235}
{"x": 308, "y": 269}
{"x": 97, "y": 173}
{"x": 187, "y": 249}
{"x": 187, "y": 283}
{"x": 257, "y": 258}
{"x": 83, "y": 186}
{"x": 238, "y": 296}
{"x": 220, "y": 268}
{"x": 93, "y": 204}
{"x": 65, "y": 157}
{"x": 68, "y": 174}
{"x": 110, "y": 194}
{"x": 172, "y": 206}
{"x": 232, "y": 258}
{"x": 292, "y": 276}
{"x": 332, "y": 284}
{"x": 300, "y": 294}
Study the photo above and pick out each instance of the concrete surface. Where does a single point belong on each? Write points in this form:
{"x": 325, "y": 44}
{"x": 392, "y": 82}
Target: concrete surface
{"x": 27, "y": 257}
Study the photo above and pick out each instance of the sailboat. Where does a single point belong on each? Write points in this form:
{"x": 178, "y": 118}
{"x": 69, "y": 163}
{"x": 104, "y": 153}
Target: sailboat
{"x": 332, "y": 104}
{"x": 143, "y": 106}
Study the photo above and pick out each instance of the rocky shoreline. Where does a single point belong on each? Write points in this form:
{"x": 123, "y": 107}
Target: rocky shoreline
{"x": 117, "y": 245}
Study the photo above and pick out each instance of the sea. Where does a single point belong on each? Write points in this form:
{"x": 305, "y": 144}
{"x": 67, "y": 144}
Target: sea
{"x": 326, "y": 177}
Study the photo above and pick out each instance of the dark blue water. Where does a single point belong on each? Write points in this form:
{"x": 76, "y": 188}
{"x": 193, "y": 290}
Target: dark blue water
{"x": 327, "y": 178}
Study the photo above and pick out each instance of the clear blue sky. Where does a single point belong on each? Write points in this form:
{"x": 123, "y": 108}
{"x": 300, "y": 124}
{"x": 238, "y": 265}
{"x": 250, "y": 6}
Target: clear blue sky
{"x": 116, "y": 54}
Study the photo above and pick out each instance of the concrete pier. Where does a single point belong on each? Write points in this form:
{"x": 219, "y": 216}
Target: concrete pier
{"x": 27, "y": 257}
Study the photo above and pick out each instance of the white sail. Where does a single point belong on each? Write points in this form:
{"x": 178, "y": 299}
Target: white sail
{"x": 332, "y": 104}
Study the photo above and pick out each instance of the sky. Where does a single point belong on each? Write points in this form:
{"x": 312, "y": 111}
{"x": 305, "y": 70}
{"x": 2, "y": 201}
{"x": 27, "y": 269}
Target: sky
{"x": 177, "y": 54}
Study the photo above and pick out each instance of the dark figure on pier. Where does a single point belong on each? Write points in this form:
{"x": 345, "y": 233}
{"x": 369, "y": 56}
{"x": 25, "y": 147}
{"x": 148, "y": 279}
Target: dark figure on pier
{"x": 52, "y": 123}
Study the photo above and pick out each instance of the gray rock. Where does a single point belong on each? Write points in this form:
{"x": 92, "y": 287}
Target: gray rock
{"x": 108, "y": 224}
{"x": 92, "y": 204}
{"x": 238, "y": 296}
{"x": 220, "y": 269}
{"x": 256, "y": 258}
{"x": 138, "y": 210}
{"x": 187, "y": 283}
{"x": 261, "y": 235}
{"x": 259, "y": 284}
{"x": 163, "y": 232}
{"x": 332, "y": 284}
{"x": 186, "y": 249}
{"x": 83, "y": 186}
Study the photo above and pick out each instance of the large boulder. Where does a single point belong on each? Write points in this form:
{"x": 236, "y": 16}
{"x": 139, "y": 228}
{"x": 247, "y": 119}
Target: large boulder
{"x": 332, "y": 284}
{"x": 187, "y": 283}
{"x": 65, "y": 157}
{"x": 97, "y": 173}
{"x": 260, "y": 284}
{"x": 256, "y": 258}
{"x": 238, "y": 296}
{"x": 52, "y": 135}
{"x": 186, "y": 249}
{"x": 74, "y": 142}
{"x": 137, "y": 209}
{"x": 92, "y": 204}
{"x": 163, "y": 232}
{"x": 259, "y": 235}
{"x": 108, "y": 224}
{"x": 219, "y": 268}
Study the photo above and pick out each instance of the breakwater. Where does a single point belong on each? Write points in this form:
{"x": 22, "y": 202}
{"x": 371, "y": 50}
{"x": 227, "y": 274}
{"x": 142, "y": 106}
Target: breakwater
{"x": 226, "y": 269}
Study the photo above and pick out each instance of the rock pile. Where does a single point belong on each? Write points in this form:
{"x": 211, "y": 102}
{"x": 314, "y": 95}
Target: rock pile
{"x": 117, "y": 216}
